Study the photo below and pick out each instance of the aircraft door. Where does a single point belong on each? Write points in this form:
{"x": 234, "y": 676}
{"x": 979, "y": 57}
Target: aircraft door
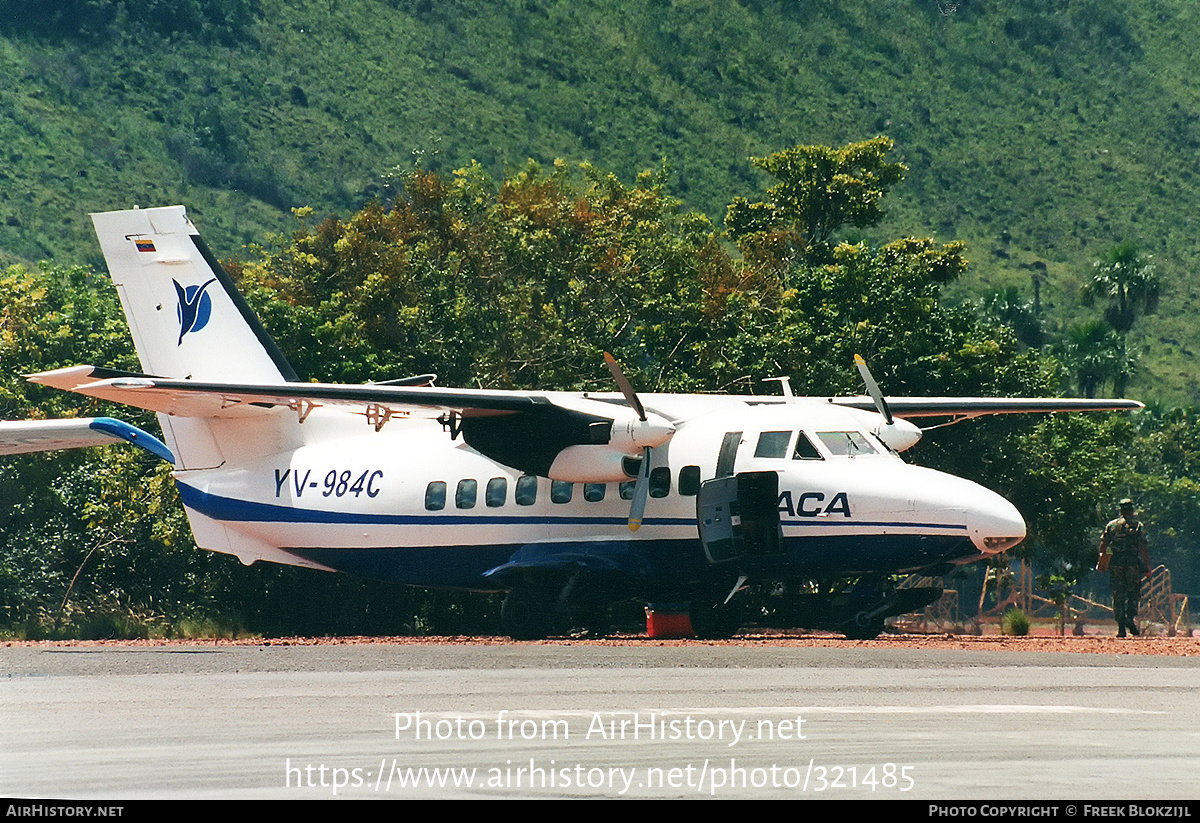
{"x": 738, "y": 516}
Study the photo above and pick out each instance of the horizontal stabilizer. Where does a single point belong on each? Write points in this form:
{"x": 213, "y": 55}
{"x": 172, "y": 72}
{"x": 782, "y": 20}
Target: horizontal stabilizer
{"x": 25, "y": 436}
{"x": 192, "y": 398}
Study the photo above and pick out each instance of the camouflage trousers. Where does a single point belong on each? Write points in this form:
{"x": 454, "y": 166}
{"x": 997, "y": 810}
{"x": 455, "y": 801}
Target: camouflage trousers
{"x": 1126, "y": 581}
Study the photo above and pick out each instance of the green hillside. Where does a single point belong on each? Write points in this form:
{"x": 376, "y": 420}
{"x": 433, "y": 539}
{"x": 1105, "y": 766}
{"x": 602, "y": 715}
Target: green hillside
{"x": 1041, "y": 133}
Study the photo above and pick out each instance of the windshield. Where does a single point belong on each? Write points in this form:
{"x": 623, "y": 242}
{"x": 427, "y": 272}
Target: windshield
{"x": 846, "y": 444}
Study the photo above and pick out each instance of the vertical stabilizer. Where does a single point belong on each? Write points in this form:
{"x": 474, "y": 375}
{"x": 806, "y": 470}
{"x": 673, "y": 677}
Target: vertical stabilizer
{"x": 189, "y": 322}
{"x": 187, "y": 319}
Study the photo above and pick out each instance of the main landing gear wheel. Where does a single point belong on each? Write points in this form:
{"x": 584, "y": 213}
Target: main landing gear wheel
{"x": 525, "y": 612}
{"x": 712, "y": 618}
{"x": 863, "y": 627}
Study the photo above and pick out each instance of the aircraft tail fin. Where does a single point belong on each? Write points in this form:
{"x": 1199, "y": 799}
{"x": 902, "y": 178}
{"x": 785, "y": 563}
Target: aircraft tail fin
{"x": 187, "y": 319}
{"x": 189, "y": 322}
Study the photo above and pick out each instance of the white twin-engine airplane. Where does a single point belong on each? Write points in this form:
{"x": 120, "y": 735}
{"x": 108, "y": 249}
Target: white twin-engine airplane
{"x": 537, "y": 493}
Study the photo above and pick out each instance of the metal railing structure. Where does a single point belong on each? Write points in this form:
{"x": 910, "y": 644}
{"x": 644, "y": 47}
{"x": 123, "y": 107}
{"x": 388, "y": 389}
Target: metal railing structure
{"x": 1159, "y": 604}
{"x": 939, "y": 615}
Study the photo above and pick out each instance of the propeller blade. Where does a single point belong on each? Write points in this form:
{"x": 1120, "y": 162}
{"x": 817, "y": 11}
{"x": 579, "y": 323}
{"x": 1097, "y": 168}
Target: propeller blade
{"x": 626, "y": 387}
{"x": 873, "y": 389}
{"x": 641, "y": 490}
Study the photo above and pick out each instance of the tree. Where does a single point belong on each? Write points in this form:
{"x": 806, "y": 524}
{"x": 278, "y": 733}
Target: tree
{"x": 1061, "y": 472}
{"x": 513, "y": 285}
{"x": 1096, "y": 355}
{"x": 1008, "y": 306}
{"x": 105, "y": 512}
{"x": 1125, "y": 277}
{"x": 820, "y": 189}
{"x": 1162, "y": 479}
{"x": 521, "y": 283}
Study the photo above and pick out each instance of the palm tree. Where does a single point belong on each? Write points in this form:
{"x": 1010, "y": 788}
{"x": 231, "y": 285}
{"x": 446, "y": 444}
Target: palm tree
{"x": 1009, "y": 307}
{"x": 1126, "y": 278}
{"x": 1096, "y": 356}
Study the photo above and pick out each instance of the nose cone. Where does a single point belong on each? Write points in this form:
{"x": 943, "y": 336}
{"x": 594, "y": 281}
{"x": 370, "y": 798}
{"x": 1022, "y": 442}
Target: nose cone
{"x": 995, "y": 524}
{"x": 992, "y": 523}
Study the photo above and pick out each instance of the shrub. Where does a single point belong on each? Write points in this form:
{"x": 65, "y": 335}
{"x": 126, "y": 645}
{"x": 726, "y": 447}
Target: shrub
{"x": 1015, "y": 623}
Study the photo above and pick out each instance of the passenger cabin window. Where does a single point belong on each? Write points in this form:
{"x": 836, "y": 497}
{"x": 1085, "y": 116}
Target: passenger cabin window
{"x": 625, "y": 489}
{"x": 497, "y": 492}
{"x": 561, "y": 491}
{"x": 435, "y": 496}
{"x": 772, "y": 445}
{"x": 660, "y": 482}
{"x": 464, "y": 495}
{"x": 689, "y": 481}
{"x": 846, "y": 444}
{"x": 526, "y": 492}
{"x": 594, "y": 492}
{"x": 805, "y": 450}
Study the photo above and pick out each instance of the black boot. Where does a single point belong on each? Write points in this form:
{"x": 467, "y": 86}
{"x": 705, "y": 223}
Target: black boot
{"x": 1120, "y": 630}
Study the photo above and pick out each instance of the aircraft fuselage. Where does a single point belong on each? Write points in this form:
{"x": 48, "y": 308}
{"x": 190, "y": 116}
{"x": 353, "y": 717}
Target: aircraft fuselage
{"x": 412, "y": 504}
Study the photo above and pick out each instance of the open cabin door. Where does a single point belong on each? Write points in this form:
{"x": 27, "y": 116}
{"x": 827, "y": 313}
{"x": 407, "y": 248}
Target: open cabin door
{"x": 738, "y": 516}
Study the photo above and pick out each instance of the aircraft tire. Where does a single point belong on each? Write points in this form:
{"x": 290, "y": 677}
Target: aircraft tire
{"x": 713, "y": 619}
{"x": 596, "y": 624}
{"x": 526, "y": 612}
{"x": 862, "y": 628}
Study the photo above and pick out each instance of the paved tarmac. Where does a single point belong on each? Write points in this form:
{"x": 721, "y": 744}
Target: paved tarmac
{"x": 560, "y": 720}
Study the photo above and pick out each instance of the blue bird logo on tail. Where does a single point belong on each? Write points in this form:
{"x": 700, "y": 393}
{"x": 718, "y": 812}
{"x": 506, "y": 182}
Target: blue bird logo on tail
{"x": 195, "y": 307}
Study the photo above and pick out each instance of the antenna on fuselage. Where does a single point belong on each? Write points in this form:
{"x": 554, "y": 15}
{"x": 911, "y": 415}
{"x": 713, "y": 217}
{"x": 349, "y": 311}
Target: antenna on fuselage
{"x": 785, "y": 383}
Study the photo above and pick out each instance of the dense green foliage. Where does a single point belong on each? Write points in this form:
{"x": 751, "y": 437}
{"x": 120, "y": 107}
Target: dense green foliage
{"x": 1051, "y": 137}
{"x": 521, "y": 283}
{"x": 819, "y": 190}
{"x": 1039, "y": 133}
{"x": 97, "y": 21}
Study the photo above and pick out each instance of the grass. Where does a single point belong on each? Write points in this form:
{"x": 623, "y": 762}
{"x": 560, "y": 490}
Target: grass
{"x": 1040, "y": 133}
{"x": 1015, "y": 623}
{"x": 120, "y": 626}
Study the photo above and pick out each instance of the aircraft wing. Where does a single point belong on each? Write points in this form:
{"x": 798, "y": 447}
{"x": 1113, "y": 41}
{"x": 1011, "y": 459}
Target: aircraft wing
{"x": 525, "y": 430}
{"x": 192, "y": 398}
{"x": 962, "y": 408}
{"x": 24, "y": 436}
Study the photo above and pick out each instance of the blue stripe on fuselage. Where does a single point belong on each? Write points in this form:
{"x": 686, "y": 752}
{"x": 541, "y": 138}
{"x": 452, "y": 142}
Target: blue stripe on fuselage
{"x": 660, "y": 564}
{"x": 233, "y": 510}
{"x": 230, "y": 509}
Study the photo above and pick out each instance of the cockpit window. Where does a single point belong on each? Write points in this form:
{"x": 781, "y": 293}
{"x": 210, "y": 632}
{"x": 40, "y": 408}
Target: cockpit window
{"x": 772, "y": 445}
{"x": 805, "y": 450}
{"x": 848, "y": 444}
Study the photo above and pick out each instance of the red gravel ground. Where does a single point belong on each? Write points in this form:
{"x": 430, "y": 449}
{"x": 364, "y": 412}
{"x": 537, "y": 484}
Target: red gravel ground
{"x": 1168, "y": 646}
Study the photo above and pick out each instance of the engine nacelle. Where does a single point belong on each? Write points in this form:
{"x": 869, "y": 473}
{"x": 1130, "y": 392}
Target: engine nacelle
{"x": 592, "y": 464}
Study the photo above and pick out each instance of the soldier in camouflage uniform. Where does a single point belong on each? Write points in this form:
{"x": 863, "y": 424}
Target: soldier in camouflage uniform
{"x": 1123, "y": 551}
